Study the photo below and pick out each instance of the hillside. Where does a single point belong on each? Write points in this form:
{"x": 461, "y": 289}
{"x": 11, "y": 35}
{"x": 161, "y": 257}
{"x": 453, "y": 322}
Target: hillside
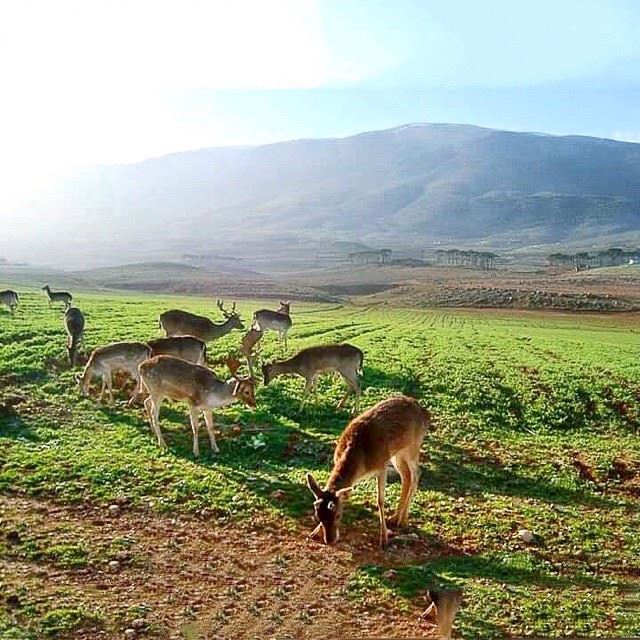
{"x": 407, "y": 187}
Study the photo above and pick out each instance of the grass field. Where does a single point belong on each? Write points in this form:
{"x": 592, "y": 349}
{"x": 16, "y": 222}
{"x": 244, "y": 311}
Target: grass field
{"x": 537, "y": 419}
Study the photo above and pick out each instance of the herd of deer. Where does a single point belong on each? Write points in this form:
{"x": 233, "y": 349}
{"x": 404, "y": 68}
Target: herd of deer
{"x": 175, "y": 367}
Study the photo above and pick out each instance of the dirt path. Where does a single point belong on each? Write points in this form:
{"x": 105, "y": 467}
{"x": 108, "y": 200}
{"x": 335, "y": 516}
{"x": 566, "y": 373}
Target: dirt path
{"x": 192, "y": 578}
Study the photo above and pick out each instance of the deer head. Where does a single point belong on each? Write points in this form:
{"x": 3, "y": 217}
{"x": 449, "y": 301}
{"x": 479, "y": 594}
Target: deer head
{"x": 245, "y": 391}
{"x": 231, "y": 316}
{"x": 328, "y": 506}
{"x": 245, "y": 388}
{"x": 284, "y": 307}
{"x": 266, "y": 372}
{"x": 83, "y": 379}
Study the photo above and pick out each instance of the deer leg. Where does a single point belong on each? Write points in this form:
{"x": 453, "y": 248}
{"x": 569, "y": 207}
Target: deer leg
{"x": 194, "y": 416}
{"x": 148, "y": 406}
{"x": 352, "y": 385}
{"x": 137, "y": 392}
{"x": 384, "y": 534}
{"x": 343, "y": 399}
{"x": 153, "y": 409}
{"x": 414, "y": 465}
{"x": 104, "y": 387}
{"x": 208, "y": 419}
{"x": 305, "y": 393}
{"x": 156, "y": 419}
{"x": 110, "y": 387}
{"x": 346, "y": 393}
{"x": 399, "y": 517}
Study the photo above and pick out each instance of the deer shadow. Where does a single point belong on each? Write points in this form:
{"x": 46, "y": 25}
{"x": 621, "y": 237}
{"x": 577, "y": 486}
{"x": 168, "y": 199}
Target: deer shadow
{"x": 452, "y": 472}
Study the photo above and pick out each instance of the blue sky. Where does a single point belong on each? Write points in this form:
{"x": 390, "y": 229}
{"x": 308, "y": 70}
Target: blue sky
{"x": 91, "y": 81}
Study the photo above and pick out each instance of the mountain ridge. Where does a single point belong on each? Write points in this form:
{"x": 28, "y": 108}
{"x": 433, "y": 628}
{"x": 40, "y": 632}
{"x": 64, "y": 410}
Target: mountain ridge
{"x": 410, "y": 186}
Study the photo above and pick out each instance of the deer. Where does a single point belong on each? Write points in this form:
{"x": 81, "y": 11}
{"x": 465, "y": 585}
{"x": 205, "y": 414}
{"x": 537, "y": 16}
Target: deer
{"x": 392, "y": 430}
{"x": 74, "y": 325}
{"x": 10, "y": 299}
{"x": 445, "y": 604}
{"x": 249, "y": 341}
{"x": 310, "y": 362}
{"x": 183, "y": 323}
{"x": 176, "y": 379}
{"x": 118, "y": 356}
{"x": 58, "y": 296}
{"x": 279, "y": 320}
{"x": 186, "y": 347}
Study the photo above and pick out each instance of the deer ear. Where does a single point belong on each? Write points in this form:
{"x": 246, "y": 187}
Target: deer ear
{"x": 314, "y": 487}
{"x": 344, "y": 493}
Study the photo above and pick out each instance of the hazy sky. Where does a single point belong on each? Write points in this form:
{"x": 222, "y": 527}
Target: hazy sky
{"x": 118, "y": 81}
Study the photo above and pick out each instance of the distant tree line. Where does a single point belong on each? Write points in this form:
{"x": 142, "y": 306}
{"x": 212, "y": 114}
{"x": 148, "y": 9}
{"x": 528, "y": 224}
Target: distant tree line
{"x": 584, "y": 260}
{"x": 461, "y": 258}
{"x": 378, "y": 256}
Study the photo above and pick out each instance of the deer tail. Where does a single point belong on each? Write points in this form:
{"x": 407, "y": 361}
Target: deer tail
{"x": 360, "y": 371}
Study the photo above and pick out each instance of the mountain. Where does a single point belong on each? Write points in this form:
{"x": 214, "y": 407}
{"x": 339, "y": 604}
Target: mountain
{"x": 407, "y": 187}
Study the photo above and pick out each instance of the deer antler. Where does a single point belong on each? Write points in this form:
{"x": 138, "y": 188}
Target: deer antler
{"x": 225, "y": 313}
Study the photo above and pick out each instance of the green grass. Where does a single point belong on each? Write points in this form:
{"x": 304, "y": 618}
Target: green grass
{"x": 524, "y": 404}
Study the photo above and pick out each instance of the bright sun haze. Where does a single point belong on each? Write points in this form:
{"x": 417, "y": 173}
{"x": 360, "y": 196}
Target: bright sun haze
{"x": 89, "y": 82}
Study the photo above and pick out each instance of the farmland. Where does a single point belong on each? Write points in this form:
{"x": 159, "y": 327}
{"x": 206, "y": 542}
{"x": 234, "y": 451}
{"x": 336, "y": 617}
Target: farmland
{"x": 537, "y": 418}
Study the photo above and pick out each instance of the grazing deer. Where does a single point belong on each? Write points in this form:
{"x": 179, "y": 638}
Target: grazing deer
{"x": 74, "y": 324}
{"x": 182, "y": 323}
{"x": 10, "y": 299}
{"x": 249, "y": 341}
{"x": 119, "y": 356}
{"x": 311, "y": 362}
{"x": 58, "y": 296}
{"x": 279, "y": 320}
{"x": 186, "y": 347}
{"x": 392, "y": 430}
{"x": 177, "y": 379}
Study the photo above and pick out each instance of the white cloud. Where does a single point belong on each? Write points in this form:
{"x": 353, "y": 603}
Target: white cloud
{"x": 88, "y": 81}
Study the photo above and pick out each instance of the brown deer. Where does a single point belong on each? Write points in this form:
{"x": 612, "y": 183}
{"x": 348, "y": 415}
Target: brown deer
{"x": 58, "y": 296}
{"x": 183, "y": 323}
{"x": 311, "y": 362}
{"x": 445, "y": 604}
{"x": 177, "y": 379}
{"x": 186, "y": 347}
{"x": 74, "y": 325}
{"x": 249, "y": 342}
{"x": 10, "y": 299}
{"x": 279, "y": 320}
{"x": 392, "y": 430}
{"x": 118, "y": 356}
